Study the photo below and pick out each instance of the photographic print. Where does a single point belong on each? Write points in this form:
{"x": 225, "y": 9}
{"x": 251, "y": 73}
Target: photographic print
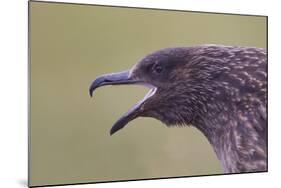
{"x": 121, "y": 93}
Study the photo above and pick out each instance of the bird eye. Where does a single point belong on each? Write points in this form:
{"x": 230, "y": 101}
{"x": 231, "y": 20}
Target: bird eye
{"x": 158, "y": 69}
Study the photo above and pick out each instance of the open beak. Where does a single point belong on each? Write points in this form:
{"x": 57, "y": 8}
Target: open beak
{"x": 122, "y": 78}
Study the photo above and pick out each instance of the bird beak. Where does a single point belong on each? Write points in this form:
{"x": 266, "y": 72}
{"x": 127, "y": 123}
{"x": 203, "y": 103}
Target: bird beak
{"x": 111, "y": 79}
{"x": 122, "y": 78}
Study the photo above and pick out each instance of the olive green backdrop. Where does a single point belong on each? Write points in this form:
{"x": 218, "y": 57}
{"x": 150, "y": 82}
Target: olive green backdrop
{"x": 69, "y": 131}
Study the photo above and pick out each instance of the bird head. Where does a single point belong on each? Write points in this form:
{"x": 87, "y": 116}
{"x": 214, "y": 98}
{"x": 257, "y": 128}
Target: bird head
{"x": 178, "y": 81}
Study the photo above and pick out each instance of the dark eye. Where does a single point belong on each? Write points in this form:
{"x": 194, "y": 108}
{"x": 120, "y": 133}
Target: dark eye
{"x": 157, "y": 69}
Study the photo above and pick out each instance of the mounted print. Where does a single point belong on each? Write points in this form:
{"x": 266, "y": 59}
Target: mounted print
{"x": 121, "y": 93}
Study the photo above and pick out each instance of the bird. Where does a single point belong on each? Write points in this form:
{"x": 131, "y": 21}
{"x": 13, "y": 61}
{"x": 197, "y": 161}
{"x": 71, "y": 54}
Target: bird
{"x": 221, "y": 90}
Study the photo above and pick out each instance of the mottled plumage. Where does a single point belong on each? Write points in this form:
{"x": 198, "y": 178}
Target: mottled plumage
{"x": 221, "y": 90}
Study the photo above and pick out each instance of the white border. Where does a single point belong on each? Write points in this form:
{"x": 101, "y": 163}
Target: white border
{"x": 13, "y": 99}
{"x": 200, "y": 5}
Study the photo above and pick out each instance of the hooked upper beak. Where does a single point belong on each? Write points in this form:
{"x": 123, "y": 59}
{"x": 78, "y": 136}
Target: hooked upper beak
{"x": 122, "y": 78}
{"x": 112, "y": 79}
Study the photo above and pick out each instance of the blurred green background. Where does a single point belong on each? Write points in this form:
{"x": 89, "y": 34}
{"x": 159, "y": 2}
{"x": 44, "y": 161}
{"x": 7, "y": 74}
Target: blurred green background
{"x": 71, "y": 45}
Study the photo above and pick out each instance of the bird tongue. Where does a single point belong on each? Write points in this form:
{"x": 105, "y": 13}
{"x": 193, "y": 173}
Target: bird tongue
{"x": 132, "y": 113}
